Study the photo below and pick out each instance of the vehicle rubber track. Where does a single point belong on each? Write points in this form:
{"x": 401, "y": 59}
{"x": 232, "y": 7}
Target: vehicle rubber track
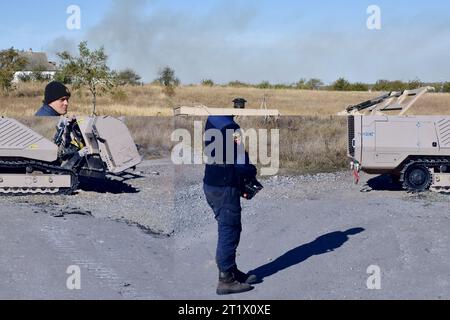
{"x": 20, "y": 166}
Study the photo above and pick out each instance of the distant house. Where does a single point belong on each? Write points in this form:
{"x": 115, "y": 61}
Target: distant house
{"x": 37, "y": 63}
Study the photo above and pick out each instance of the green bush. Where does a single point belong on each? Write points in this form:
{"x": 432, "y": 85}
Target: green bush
{"x": 207, "y": 83}
{"x": 446, "y": 87}
{"x": 359, "y": 86}
{"x": 238, "y": 84}
{"x": 264, "y": 85}
{"x": 397, "y": 85}
{"x": 128, "y": 76}
{"x": 10, "y": 63}
{"x": 414, "y": 84}
{"x": 341, "y": 85}
{"x": 282, "y": 86}
{"x": 314, "y": 84}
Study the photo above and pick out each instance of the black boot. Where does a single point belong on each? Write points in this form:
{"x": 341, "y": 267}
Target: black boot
{"x": 244, "y": 277}
{"x": 229, "y": 285}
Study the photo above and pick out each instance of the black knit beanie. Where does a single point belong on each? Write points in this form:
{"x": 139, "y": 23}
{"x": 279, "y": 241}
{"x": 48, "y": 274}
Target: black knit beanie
{"x": 54, "y": 91}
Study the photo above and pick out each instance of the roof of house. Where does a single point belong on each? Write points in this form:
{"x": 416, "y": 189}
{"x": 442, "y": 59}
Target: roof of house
{"x": 37, "y": 61}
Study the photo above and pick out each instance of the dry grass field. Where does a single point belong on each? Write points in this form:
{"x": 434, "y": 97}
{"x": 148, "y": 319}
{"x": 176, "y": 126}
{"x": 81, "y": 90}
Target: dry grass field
{"x": 149, "y": 100}
{"x": 312, "y": 139}
{"x": 307, "y": 144}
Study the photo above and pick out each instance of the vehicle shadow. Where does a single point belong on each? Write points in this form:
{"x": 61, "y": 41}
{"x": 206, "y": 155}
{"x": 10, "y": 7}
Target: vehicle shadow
{"x": 106, "y": 186}
{"x": 321, "y": 245}
{"x": 384, "y": 182}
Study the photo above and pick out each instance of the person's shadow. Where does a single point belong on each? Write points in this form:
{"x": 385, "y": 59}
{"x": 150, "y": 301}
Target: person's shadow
{"x": 321, "y": 245}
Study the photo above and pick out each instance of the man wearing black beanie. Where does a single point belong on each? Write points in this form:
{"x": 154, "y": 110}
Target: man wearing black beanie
{"x": 56, "y": 100}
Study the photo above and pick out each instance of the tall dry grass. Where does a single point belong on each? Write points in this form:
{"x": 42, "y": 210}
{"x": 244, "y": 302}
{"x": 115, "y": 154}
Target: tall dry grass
{"x": 149, "y": 100}
{"x": 307, "y": 144}
{"x": 312, "y": 142}
{"x": 151, "y": 134}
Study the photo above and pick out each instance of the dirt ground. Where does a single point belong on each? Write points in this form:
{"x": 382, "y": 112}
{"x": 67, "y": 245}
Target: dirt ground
{"x": 307, "y": 237}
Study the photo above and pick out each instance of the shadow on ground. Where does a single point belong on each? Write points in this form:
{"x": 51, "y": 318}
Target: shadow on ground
{"x": 106, "y": 186}
{"x": 384, "y": 182}
{"x": 321, "y": 245}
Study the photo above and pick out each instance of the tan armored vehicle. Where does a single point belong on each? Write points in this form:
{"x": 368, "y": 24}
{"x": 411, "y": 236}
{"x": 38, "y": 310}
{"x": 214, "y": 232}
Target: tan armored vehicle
{"x": 90, "y": 147}
{"x": 413, "y": 149}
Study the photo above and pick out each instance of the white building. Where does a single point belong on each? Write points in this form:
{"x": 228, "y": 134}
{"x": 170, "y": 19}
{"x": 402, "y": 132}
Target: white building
{"x": 37, "y": 62}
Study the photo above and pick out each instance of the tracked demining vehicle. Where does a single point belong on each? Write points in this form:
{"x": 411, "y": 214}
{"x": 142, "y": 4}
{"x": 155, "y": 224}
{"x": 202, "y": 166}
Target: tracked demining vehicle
{"x": 89, "y": 147}
{"x": 415, "y": 150}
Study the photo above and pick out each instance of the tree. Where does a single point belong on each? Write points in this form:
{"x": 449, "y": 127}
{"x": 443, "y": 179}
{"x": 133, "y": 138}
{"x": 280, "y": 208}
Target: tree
{"x": 341, "y": 85}
{"x": 301, "y": 84}
{"x": 207, "y": 83}
{"x": 10, "y": 63}
{"x": 264, "y": 85}
{"x": 381, "y": 85}
{"x": 314, "y": 84}
{"x": 415, "y": 84}
{"x": 128, "y": 76}
{"x": 446, "y": 87}
{"x": 167, "y": 78}
{"x": 89, "y": 70}
{"x": 397, "y": 85}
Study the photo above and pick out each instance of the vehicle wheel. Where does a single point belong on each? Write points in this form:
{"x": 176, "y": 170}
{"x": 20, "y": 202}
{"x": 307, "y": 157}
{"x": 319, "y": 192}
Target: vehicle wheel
{"x": 417, "y": 178}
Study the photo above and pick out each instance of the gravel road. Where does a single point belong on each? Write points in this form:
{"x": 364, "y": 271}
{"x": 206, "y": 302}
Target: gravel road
{"x": 307, "y": 237}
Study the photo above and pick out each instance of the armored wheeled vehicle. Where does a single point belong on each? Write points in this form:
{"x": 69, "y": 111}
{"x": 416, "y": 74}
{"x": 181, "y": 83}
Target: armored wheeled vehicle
{"x": 415, "y": 150}
{"x": 89, "y": 147}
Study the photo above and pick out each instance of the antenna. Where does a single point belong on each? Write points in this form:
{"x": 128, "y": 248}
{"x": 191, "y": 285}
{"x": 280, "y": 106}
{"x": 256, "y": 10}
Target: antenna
{"x": 264, "y": 102}
{"x": 264, "y": 105}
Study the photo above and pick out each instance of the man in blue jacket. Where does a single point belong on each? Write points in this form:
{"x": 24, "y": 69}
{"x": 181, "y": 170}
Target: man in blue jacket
{"x": 222, "y": 190}
{"x": 56, "y": 100}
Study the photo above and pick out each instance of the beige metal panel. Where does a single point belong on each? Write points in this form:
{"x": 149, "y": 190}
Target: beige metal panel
{"x": 203, "y": 111}
{"x": 441, "y": 180}
{"x": 86, "y": 125}
{"x": 400, "y": 101}
{"x": 389, "y": 140}
{"x": 117, "y": 147}
{"x": 367, "y": 135}
{"x": 19, "y": 141}
{"x": 396, "y": 136}
{"x": 408, "y": 134}
{"x": 34, "y": 181}
{"x": 443, "y": 128}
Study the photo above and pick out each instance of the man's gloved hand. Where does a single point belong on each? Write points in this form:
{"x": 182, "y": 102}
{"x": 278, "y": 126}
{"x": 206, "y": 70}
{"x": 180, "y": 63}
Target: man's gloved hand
{"x": 83, "y": 152}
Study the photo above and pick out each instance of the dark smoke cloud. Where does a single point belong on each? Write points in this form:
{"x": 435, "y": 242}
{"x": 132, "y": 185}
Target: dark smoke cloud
{"x": 225, "y": 44}
{"x": 196, "y": 48}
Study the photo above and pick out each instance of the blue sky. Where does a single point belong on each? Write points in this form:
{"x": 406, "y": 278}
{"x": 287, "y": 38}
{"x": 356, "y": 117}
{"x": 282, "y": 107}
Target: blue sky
{"x": 279, "y": 41}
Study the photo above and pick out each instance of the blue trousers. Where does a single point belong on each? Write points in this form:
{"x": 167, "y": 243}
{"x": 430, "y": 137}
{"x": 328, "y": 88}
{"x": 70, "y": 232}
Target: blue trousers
{"x": 226, "y": 204}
